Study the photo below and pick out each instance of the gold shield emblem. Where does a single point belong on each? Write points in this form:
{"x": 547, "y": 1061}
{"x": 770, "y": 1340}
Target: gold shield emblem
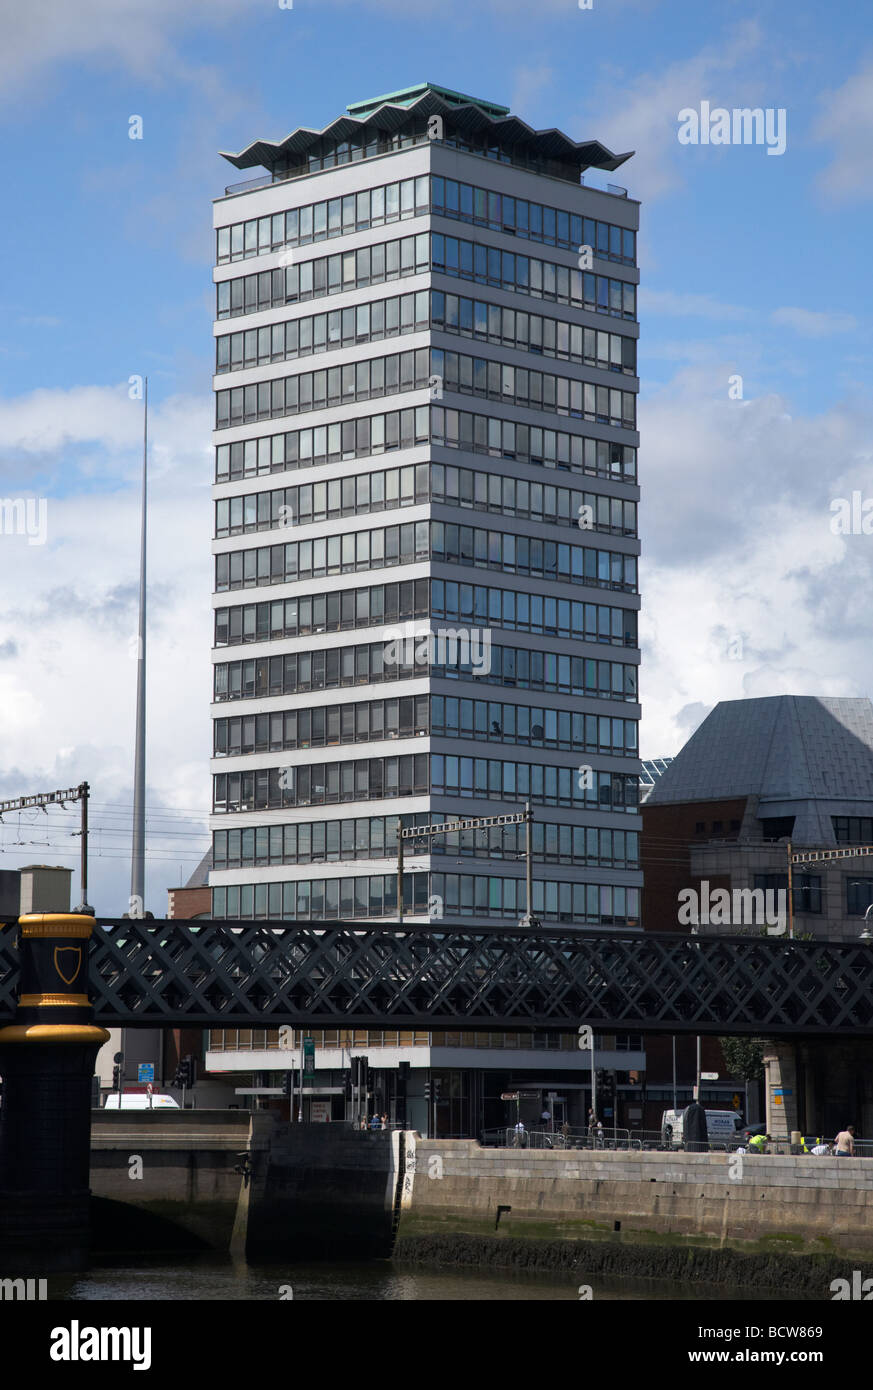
{"x": 72, "y": 962}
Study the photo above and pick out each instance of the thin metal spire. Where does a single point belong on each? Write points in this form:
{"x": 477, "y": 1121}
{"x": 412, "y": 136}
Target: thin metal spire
{"x": 137, "y": 858}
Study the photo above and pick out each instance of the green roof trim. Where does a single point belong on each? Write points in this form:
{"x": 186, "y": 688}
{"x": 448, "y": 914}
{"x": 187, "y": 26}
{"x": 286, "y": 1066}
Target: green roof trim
{"x": 409, "y": 94}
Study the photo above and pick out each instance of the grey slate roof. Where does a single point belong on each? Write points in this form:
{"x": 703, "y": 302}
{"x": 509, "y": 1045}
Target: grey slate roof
{"x": 780, "y": 748}
{"x": 200, "y": 876}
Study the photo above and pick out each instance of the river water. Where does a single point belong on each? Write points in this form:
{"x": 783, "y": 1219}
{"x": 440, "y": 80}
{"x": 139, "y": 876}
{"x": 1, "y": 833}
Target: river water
{"x": 216, "y": 1277}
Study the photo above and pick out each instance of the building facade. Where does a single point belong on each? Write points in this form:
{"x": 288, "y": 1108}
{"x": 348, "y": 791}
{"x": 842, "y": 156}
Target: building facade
{"x": 425, "y": 522}
{"x": 757, "y": 778}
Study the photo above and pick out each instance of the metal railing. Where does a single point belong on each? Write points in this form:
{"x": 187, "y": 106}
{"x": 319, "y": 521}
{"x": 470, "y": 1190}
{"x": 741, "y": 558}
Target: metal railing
{"x": 507, "y": 1137}
{"x": 640, "y": 1140}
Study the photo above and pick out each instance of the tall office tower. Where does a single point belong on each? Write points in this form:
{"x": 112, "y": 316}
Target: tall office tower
{"x": 425, "y": 424}
{"x": 426, "y": 427}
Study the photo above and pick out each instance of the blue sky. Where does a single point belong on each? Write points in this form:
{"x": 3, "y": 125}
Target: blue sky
{"x": 751, "y": 264}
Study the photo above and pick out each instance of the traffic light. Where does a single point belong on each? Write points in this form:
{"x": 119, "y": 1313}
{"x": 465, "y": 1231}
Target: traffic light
{"x": 427, "y": 1090}
{"x": 288, "y": 1084}
{"x": 116, "y": 1077}
{"x": 347, "y": 1084}
{"x": 186, "y": 1072}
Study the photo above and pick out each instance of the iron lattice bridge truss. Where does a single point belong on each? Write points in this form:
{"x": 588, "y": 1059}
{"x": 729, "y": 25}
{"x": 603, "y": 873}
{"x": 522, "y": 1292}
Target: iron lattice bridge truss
{"x": 329, "y": 974}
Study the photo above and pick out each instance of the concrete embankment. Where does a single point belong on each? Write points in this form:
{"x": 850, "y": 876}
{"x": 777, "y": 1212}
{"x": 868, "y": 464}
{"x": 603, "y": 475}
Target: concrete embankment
{"x": 224, "y": 1179}
{"x": 679, "y": 1216}
{"x": 165, "y": 1179}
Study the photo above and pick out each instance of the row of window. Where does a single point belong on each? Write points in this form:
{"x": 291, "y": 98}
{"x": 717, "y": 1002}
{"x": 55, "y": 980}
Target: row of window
{"x": 583, "y": 904}
{"x": 374, "y": 895}
{"x": 807, "y": 894}
{"x": 402, "y": 429}
{"x": 319, "y": 221}
{"x": 853, "y": 830}
{"x": 456, "y": 775}
{"x": 488, "y": 434}
{"x": 412, "y": 716}
{"x": 534, "y": 221}
{"x": 375, "y": 837}
{"x": 418, "y": 370}
{"x": 365, "y": 664}
{"x": 370, "y": 143}
{"x": 417, "y": 255}
{"x": 457, "y": 895}
{"x": 394, "y": 202}
{"x": 806, "y": 889}
{"x": 487, "y": 265}
{"x": 416, "y": 313}
{"x": 453, "y": 717}
{"x": 387, "y": 489}
{"x": 378, "y": 604}
{"x": 314, "y": 333}
{"x": 483, "y": 604}
{"x": 536, "y": 333}
{"x": 534, "y": 390}
{"x": 320, "y": 784}
{"x": 418, "y": 774}
{"x": 425, "y": 540}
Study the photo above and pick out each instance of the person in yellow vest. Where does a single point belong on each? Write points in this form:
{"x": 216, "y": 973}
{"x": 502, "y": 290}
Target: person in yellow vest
{"x": 758, "y": 1142}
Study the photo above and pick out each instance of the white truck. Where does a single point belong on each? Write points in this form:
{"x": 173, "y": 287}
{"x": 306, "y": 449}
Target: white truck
{"x": 135, "y": 1100}
{"x": 721, "y": 1125}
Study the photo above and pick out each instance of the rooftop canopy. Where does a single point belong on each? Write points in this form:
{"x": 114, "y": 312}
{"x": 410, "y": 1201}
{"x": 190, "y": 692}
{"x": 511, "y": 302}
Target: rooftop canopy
{"x": 383, "y": 118}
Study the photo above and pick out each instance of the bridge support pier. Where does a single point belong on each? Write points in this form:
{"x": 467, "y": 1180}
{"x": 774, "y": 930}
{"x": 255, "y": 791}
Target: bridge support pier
{"x": 780, "y": 1087}
{"x": 47, "y": 1058}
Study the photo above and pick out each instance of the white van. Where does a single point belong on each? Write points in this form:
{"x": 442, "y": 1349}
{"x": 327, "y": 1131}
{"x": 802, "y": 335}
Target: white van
{"x": 135, "y": 1100}
{"x": 720, "y": 1125}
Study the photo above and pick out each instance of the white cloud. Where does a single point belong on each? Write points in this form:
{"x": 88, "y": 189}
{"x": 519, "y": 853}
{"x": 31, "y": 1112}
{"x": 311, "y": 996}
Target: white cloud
{"x": 814, "y": 324}
{"x": 139, "y": 38}
{"x": 846, "y": 123}
{"x": 745, "y": 589}
{"x": 641, "y": 113}
{"x": 67, "y": 614}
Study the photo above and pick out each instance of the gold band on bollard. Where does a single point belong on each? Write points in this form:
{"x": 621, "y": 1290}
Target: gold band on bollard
{"x": 46, "y": 924}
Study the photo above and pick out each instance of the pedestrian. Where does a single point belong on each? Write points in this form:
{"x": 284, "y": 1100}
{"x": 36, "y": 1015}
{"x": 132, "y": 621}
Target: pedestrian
{"x": 384, "y": 1121}
{"x": 520, "y": 1136}
{"x": 758, "y": 1142}
{"x": 592, "y": 1121}
{"x": 845, "y": 1142}
{"x": 376, "y": 1122}
{"x": 363, "y": 1124}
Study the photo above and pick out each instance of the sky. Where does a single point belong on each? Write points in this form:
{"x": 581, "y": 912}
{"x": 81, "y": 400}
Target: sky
{"x": 755, "y": 355}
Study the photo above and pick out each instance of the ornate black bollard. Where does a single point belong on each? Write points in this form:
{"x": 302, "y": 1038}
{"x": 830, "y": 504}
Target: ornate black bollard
{"x": 47, "y": 1058}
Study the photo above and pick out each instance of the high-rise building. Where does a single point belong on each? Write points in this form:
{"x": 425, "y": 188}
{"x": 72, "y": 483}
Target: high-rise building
{"x": 426, "y": 521}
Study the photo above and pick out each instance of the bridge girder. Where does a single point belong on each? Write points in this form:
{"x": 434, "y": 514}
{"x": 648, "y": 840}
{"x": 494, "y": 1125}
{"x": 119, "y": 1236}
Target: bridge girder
{"x": 154, "y": 973}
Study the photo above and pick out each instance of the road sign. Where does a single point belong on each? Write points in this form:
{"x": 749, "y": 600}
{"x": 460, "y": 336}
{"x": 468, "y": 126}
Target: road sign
{"x": 145, "y": 1072}
{"x": 709, "y": 1076}
{"x": 509, "y": 1095}
{"x": 308, "y": 1058}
